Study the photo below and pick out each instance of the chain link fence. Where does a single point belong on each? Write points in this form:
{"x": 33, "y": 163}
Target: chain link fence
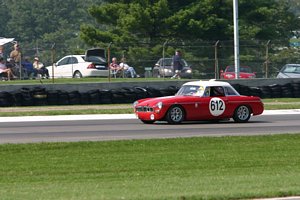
{"x": 206, "y": 58}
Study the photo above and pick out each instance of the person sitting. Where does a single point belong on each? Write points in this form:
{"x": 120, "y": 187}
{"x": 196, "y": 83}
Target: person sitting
{"x": 30, "y": 71}
{"x": 128, "y": 71}
{"x": 115, "y": 68}
{"x": 5, "y": 71}
{"x": 40, "y": 68}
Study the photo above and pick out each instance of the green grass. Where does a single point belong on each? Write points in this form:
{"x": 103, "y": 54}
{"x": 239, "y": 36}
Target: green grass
{"x": 185, "y": 168}
{"x": 282, "y": 100}
{"x": 35, "y": 112}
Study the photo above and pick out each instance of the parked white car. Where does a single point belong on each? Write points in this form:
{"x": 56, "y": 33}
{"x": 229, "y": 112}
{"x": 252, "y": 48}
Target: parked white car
{"x": 78, "y": 66}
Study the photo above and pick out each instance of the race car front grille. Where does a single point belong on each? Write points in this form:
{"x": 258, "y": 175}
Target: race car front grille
{"x": 144, "y": 109}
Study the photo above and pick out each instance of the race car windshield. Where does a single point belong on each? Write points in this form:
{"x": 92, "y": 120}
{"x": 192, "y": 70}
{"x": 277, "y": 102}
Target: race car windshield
{"x": 190, "y": 90}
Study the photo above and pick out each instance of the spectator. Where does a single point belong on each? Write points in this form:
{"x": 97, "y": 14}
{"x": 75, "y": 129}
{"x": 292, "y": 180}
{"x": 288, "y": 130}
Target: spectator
{"x": 30, "y": 71}
{"x": 1, "y": 51}
{"x": 5, "y": 70}
{"x": 16, "y": 57}
{"x": 177, "y": 64}
{"x": 16, "y": 54}
{"x": 115, "y": 68}
{"x": 127, "y": 69}
{"x": 40, "y": 68}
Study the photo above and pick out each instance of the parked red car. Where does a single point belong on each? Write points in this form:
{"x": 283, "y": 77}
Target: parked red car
{"x": 245, "y": 72}
{"x": 199, "y": 100}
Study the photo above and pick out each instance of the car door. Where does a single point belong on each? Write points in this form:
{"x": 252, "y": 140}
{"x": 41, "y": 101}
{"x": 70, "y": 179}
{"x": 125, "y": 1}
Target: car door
{"x": 214, "y": 103}
{"x": 64, "y": 67}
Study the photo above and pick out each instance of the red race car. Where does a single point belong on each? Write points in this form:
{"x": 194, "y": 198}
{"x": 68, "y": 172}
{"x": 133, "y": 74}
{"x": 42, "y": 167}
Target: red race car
{"x": 199, "y": 100}
{"x": 245, "y": 72}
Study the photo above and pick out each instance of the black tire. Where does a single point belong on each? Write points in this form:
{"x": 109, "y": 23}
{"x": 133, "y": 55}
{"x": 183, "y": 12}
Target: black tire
{"x": 175, "y": 115}
{"x": 77, "y": 74}
{"x": 242, "y": 114}
{"x": 148, "y": 121}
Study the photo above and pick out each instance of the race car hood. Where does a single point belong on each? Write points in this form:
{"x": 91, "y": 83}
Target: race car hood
{"x": 165, "y": 100}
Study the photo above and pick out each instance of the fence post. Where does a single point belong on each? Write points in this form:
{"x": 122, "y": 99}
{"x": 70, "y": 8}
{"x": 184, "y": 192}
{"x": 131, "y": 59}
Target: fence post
{"x": 108, "y": 60}
{"x": 216, "y": 61}
{"x": 52, "y": 59}
{"x": 267, "y": 59}
{"x": 164, "y": 45}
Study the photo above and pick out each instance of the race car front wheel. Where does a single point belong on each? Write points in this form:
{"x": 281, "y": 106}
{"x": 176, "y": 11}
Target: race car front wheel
{"x": 242, "y": 114}
{"x": 175, "y": 115}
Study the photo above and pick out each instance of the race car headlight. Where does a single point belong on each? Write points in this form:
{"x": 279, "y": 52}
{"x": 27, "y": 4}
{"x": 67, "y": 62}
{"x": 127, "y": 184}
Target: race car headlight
{"x": 189, "y": 71}
{"x": 135, "y": 103}
{"x": 158, "y": 107}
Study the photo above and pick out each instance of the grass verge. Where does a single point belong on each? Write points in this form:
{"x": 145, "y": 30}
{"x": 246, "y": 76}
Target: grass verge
{"x": 183, "y": 168}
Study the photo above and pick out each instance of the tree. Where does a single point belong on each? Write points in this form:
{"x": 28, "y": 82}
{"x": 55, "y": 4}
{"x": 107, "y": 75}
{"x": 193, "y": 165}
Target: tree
{"x": 135, "y": 25}
{"x": 38, "y": 24}
{"x": 156, "y": 20}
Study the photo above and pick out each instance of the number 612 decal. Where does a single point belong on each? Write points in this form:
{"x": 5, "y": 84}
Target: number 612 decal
{"x": 216, "y": 106}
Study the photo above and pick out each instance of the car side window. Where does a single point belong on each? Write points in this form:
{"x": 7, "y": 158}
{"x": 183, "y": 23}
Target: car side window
{"x": 230, "y": 92}
{"x": 217, "y": 91}
{"x": 63, "y": 61}
{"x": 73, "y": 60}
{"x": 206, "y": 92}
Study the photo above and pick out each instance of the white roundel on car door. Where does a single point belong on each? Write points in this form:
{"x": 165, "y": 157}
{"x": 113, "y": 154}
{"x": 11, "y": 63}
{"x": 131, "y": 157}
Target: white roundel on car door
{"x": 216, "y": 106}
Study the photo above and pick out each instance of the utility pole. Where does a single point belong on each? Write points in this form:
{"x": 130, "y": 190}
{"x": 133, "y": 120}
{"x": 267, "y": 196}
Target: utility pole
{"x": 236, "y": 39}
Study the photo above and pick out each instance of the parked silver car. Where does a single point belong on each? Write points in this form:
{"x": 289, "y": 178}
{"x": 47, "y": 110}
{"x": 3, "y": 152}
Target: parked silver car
{"x": 289, "y": 71}
{"x": 164, "y": 68}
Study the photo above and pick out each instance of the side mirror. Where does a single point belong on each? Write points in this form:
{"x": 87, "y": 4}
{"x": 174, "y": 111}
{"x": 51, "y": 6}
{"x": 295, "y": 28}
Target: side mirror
{"x": 221, "y": 71}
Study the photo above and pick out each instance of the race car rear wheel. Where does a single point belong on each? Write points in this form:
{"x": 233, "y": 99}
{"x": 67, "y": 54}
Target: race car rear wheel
{"x": 242, "y": 114}
{"x": 148, "y": 121}
{"x": 175, "y": 115}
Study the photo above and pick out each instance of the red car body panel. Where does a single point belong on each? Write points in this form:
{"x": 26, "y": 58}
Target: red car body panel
{"x": 196, "y": 107}
{"x": 245, "y": 73}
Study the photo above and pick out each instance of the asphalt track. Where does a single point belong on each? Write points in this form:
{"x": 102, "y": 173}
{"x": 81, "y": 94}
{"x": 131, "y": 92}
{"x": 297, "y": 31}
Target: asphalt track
{"x": 73, "y": 128}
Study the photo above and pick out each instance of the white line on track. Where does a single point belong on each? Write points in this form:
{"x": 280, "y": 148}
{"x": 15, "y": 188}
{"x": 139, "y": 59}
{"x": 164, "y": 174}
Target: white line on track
{"x": 110, "y": 116}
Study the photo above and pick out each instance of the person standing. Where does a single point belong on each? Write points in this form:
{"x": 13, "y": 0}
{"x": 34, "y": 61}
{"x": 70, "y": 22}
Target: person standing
{"x": 16, "y": 54}
{"x": 177, "y": 64}
{"x": 2, "y": 51}
{"x": 16, "y": 57}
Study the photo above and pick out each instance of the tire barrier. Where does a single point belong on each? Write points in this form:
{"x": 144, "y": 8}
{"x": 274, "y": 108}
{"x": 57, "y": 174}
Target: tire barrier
{"x": 39, "y": 96}
{"x": 289, "y": 90}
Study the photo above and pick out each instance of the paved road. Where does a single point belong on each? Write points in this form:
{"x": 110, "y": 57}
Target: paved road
{"x": 112, "y": 127}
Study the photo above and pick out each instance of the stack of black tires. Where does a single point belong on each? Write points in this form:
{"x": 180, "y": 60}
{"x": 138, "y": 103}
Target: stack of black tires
{"x": 39, "y": 96}
{"x": 289, "y": 90}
